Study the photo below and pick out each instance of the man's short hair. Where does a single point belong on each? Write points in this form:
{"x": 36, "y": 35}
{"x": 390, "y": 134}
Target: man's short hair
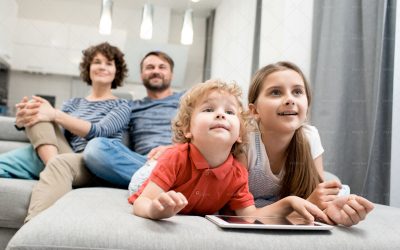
{"x": 160, "y": 54}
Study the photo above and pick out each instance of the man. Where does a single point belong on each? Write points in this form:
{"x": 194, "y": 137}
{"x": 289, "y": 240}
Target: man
{"x": 150, "y": 125}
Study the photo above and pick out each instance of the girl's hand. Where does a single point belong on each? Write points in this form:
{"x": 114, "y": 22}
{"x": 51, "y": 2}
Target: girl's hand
{"x": 306, "y": 209}
{"x": 349, "y": 210}
{"x": 167, "y": 204}
{"x": 324, "y": 193}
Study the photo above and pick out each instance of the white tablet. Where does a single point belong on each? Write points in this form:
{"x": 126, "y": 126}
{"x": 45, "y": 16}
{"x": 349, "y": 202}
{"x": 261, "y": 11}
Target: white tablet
{"x": 250, "y": 222}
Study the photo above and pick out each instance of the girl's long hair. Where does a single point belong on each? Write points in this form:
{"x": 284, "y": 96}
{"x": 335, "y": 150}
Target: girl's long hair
{"x": 300, "y": 174}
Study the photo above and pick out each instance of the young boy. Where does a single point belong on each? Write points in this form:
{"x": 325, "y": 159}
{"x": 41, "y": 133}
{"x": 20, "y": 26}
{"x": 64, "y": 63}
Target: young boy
{"x": 200, "y": 175}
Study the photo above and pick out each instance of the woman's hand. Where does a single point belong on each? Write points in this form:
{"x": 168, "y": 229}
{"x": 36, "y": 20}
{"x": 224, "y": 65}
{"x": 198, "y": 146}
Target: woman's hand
{"x": 26, "y": 111}
{"x": 40, "y": 113}
{"x": 348, "y": 210}
{"x": 324, "y": 193}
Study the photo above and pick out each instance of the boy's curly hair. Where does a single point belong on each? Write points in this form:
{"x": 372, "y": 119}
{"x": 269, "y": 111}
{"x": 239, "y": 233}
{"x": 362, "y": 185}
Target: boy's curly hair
{"x": 111, "y": 53}
{"x": 188, "y": 102}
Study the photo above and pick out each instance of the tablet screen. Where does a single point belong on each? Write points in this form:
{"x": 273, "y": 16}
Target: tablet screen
{"x": 264, "y": 220}
{"x": 251, "y": 222}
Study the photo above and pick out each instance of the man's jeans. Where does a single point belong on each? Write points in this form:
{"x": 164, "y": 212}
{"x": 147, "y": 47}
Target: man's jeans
{"x": 110, "y": 160}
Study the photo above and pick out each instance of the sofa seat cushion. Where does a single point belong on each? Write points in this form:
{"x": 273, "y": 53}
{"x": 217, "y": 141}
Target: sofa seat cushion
{"x": 15, "y": 196}
{"x": 101, "y": 218}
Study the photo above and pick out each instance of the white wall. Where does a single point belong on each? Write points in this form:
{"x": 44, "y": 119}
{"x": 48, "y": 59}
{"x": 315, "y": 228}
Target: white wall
{"x": 8, "y": 19}
{"x": 23, "y": 84}
{"x": 70, "y": 26}
{"x": 196, "y": 51}
{"x": 232, "y": 46}
{"x": 395, "y": 161}
{"x": 286, "y": 32}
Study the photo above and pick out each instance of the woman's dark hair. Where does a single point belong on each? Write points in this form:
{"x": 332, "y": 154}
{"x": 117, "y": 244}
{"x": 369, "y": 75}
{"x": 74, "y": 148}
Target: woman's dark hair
{"x": 111, "y": 53}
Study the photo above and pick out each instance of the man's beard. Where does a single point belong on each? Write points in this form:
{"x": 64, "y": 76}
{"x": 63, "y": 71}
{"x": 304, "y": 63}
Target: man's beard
{"x": 156, "y": 87}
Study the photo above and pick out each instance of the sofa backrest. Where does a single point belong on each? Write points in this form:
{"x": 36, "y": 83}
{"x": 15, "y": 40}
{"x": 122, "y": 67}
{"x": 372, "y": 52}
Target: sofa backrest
{"x": 8, "y": 131}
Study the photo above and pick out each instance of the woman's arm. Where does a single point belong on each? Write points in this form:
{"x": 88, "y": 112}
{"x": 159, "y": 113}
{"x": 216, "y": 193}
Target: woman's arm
{"x": 115, "y": 120}
{"x": 45, "y": 112}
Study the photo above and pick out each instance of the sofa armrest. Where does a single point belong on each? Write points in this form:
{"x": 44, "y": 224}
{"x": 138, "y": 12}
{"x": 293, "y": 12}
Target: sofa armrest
{"x": 8, "y": 131}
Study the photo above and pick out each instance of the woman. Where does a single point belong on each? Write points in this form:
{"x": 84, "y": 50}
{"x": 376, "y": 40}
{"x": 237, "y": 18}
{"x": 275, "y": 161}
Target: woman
{"x": 100, "y": 114}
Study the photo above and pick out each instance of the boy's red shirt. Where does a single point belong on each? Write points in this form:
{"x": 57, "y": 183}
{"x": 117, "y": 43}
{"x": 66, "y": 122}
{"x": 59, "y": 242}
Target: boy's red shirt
{"x": 183, "y": 169}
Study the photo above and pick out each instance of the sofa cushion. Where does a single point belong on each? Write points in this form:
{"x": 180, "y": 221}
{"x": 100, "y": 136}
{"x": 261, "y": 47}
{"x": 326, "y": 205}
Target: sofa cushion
{"x": 8, "y": 131}
{"x": 101, "y": 218}
{"x": 6, "y": 146}
{"x": 14, "y": 199}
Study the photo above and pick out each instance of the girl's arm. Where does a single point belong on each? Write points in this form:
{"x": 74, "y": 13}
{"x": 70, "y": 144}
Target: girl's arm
{"x": 286, "y": 206}
{"x": 318, "y": 162}
{"x": 349, "y": 210}
{"x": 155, "y": 203}
{"x": 326, "y": 191}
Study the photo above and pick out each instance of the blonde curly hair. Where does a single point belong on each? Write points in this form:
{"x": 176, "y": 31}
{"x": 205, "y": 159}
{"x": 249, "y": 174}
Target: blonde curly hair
{"x": 188, "y": 102}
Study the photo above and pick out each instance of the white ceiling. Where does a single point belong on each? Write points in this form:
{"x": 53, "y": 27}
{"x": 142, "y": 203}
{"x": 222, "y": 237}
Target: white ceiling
{"x": 201, "y": 8}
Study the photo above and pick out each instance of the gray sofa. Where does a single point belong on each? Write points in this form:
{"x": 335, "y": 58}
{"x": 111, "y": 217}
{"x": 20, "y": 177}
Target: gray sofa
{"x": 101, "y": 218}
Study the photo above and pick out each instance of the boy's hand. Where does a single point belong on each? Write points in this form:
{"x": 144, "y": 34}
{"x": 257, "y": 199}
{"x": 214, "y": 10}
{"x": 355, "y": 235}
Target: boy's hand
{"x": 324, "y": 193}
{"x": 167, "y": 205}
{"x": 348, "y": 210}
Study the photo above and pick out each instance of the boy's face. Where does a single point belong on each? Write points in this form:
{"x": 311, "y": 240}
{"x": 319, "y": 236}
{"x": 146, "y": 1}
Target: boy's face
{"x": 215, "y": 120}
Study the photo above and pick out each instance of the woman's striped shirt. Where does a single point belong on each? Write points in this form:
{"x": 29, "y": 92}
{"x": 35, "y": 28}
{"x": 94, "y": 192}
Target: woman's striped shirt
{"x": 109, "y": 118}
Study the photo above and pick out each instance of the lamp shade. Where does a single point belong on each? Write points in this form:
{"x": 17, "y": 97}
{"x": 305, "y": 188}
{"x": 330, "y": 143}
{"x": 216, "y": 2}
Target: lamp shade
{"x": 187, "y": 28}
{"x": 106, "y": 17}
{"x": 146, "y": 27}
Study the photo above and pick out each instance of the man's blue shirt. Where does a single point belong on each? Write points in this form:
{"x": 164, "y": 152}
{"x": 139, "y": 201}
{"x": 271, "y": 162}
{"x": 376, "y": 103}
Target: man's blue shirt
{"x": 150, "y": 123}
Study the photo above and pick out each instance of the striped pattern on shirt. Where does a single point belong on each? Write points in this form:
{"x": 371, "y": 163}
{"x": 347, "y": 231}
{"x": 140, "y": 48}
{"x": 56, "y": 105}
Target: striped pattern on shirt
{"x": 109, "y": 118}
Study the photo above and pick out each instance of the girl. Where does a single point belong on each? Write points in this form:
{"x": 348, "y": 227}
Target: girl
{"x": 284, "y": 153}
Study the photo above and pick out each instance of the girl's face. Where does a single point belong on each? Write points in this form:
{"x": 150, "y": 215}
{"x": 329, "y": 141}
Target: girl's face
{"x": 282, "y": 103}
{"x": 102, "y": 70}
{"x": 215, "y": 119}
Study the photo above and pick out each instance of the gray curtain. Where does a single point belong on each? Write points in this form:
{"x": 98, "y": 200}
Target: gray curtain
{"x": 352, "y": 82}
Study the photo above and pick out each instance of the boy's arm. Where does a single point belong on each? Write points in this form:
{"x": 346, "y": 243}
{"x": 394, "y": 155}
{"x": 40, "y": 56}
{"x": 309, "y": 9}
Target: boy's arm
{"x": 156, "y": 204}
{"x": 284, "y": 207}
